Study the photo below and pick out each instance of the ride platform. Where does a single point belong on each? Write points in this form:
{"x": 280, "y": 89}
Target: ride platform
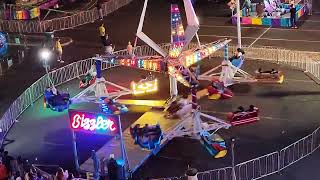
{"x": 136, "y": 155}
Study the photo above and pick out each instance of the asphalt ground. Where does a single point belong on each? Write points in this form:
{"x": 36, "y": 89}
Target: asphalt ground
{"x": 121, "y": 26}
{"x": 283, "y": 122}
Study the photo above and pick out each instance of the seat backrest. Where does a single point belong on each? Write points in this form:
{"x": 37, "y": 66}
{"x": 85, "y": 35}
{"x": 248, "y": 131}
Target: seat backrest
{"x": 238, "y": 62}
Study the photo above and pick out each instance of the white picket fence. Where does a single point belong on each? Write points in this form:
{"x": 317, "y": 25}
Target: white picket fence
{"x": 249, "y": 170}
{"x": 62, "y": 23}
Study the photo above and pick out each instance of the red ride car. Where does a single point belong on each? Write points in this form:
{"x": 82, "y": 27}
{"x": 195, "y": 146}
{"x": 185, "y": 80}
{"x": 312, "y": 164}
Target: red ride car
{"x": 243, "y": 117}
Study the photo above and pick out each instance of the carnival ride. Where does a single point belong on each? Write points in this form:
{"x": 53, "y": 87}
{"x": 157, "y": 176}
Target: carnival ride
{"x": 271, "y": 76}
{"x": 270, "y": 13}
{"x": 242, "y": 116}
{"x": 229, "y": 72}
{"x": 179, "y": 60}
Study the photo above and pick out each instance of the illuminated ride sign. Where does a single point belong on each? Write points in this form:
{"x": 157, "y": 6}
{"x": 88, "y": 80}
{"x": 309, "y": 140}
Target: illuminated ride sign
{"x": 93, "y": 123}
{"x": 144, "y": 87}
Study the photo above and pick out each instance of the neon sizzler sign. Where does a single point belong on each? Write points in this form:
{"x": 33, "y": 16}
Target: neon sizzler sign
{"x": 92, "y": 123}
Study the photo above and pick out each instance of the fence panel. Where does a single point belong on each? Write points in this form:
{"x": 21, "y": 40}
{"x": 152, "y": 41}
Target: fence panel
{"x": 316, "y": 139}
{"x": 81, "y": 18}
{"x": 258, "y": 168}
{"x": 296, "y": 151}
{"x": 217, "y": 174}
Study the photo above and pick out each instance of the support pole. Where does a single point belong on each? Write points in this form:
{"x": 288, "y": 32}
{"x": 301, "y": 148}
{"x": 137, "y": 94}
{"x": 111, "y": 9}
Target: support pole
{"x": 98, "y": 68}
{"x": 123, "y": 149}
{"x": 173, "y": 86}
{"x": 233, "y": 163}
{"x": 238, "y": 24}
{"x": 75, "y": 151}
{"x": 226, "y": 52}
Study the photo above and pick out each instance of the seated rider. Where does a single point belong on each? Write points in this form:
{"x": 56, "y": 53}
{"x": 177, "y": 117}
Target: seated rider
{"x": 90, "y": 74}
{"x": 48, "y": 92}
{"x": 240, "y": 109}
{"x": 145, "y": 128}
{"x": 273, "y": 71}
{"x": 218, "y": 85}
{"x": 237, "y": 54}
{"x": 251, "y": 108}
{"x": 150, "y": 77}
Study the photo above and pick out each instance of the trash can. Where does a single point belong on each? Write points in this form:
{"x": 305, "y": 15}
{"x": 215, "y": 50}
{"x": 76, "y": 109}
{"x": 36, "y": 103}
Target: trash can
{"x": 192, "y": 174}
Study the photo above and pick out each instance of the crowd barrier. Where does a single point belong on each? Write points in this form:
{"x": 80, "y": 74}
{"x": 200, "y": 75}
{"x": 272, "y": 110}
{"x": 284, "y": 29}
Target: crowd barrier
{"x": 253, "y": 169}
{"x": 57, "y": 24}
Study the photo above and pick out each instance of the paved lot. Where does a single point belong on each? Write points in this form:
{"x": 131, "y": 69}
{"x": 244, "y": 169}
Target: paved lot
{"x": 280, "y": 113}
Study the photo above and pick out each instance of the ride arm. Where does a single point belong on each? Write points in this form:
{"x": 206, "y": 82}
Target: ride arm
{"x": 144, "y": 37}
{"x": 188, "y": 59}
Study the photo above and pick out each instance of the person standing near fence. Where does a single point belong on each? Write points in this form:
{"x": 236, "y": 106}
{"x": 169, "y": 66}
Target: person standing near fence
{"x": 102, "y": 33}
{"x": 58, "y": 48}
{"x": 293, "y": 19}
{"x": 99, "y": 9}
{"x": 232, "y": 5}
{"x": 130, "y": 49}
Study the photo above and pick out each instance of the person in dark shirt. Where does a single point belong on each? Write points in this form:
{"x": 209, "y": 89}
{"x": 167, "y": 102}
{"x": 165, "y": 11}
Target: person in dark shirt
{"x": 7, "y": 161}
{"x": 113, "y": 167}
{"x": 293, "y": 16}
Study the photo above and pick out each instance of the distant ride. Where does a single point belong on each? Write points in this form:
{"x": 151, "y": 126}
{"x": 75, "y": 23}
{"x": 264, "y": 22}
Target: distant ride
{"x": 147, "y": 137}
{"x": 270, "y": 76}
{"x": 242, "y": 116}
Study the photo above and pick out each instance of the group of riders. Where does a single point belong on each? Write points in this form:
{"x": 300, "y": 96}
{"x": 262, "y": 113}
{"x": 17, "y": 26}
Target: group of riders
{"x": 147, "y": 136}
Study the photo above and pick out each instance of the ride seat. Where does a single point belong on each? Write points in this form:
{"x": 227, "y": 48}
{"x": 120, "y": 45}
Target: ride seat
{"x": 238, "y": 62}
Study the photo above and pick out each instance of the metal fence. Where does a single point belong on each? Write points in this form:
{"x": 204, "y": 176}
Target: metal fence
{"x": 67, "y": 22}
{"x": 249, "y": 170}
{"x": 264, "y": 165}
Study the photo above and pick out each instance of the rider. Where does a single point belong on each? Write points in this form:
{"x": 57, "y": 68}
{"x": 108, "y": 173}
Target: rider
{"x": 251, "y": 108}
{"x": 150, "y": 76}
{"x": 240, "y": 109}
{"x": 237, "y": 54}
{"x": 90, "y": 74}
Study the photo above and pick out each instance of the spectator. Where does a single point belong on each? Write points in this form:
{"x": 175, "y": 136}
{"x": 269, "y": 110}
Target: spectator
{"x": 62, "y": 175}
{"x": 1, "y": 154}
{"x": 39, "y": 176}
{"x": 17, "y": 176}
{"x": 99, "y": 9}
{"x": 58, "y": 48}
{"x": 130, "y": 49}
{"x": 70, "y": 177}
{"x": 7, "y": 161}
{"x": 3, "y": 171}
{"x": 113, "y": 167}
{"x": 293, "y": 16}
{"x": 232, "y": 6}
{"x": 102, "y": 32}
{"x": 20, "y": 165}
